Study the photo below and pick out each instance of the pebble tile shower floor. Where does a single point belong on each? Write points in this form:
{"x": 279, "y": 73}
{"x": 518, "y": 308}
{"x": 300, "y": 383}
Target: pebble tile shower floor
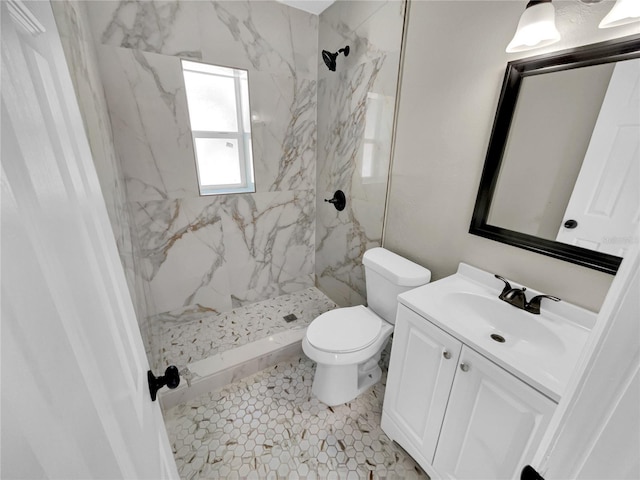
{"x": 270, "y": 426}
{"x": 182, "y": 343}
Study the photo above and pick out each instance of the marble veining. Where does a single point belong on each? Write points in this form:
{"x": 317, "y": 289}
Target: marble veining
{"x": 211, "y": 254}
{"x": 186, "y": 255}
{"x": 245, "y": 32}
{"x": 260, "y": 36}
{"x": 271, "y": 240}
{"x": 297, "y": 157}
{"x": 270, "y": 426}
{"x": 148, "y": 109}
{"x": 348, "y": 97}
{"x": 147, "y": 26}
{"x": 216, "y": 253}
{"x": 355, "y": 121}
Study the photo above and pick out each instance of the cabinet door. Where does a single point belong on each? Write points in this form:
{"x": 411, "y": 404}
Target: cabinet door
{"x": 493, "y": 423}
{"x": 421, "y": 370}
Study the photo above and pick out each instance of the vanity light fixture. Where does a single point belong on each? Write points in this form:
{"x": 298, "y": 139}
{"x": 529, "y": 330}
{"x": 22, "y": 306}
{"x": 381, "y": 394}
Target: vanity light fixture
{"x": 537, "y": 25}
{"x": 623, "y": 12}
{"x": 536, "y": 28}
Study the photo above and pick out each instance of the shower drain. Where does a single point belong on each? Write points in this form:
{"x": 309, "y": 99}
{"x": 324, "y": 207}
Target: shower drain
{"x": 497, "y": 338}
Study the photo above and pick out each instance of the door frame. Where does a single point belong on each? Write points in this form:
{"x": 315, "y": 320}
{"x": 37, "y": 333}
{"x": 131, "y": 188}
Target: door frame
{"x": 565, "y": 448}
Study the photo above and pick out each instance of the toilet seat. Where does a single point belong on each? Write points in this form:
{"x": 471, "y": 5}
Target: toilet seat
{"x": 344, "y": 330}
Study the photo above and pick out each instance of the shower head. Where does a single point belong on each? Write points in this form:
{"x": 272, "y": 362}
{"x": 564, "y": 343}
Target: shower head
{"x": 330, "y": 58}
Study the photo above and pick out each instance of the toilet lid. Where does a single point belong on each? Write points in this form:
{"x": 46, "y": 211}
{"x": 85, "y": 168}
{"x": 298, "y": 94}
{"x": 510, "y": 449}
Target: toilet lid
{"x": 344, "y": 329}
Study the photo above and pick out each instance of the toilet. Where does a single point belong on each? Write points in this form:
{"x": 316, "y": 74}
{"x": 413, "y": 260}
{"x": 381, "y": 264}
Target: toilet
{"x": 346, "y": 343}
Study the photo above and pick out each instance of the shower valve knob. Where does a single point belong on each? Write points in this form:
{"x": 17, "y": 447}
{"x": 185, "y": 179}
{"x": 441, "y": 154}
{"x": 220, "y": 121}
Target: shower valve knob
{"x": 339, "y": 200}
{"x": 171, "y": 379}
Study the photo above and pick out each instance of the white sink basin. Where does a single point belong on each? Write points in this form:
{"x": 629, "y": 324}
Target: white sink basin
{"x": 540, "y": 349}
{"x": 519, "y": 329}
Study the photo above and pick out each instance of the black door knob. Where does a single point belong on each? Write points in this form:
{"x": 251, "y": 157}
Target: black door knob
{"x": 171, "y": 379}
{"x": 570, "y": 224}
{"x": 530, "y": 473}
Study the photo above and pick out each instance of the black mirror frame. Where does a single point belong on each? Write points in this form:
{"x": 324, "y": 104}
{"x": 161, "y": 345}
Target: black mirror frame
{"x": 624, "y": 48}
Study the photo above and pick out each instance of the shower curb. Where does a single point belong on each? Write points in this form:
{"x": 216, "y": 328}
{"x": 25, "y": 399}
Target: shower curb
{"x": 216, "y": 371}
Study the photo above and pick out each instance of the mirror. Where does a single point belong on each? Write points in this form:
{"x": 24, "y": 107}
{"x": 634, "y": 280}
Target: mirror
{"x": 562, "y": 171}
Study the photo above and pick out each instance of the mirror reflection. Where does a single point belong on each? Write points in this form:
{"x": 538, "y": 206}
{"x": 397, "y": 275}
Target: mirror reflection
{"x": 570, "y": 168}
{"x": 562, "y": 172}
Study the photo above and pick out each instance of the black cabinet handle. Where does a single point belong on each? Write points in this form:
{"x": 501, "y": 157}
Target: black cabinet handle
{"x": 171, "y": 379}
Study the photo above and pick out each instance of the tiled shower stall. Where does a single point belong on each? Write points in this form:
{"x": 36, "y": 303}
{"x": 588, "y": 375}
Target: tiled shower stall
{"x": 192, "y": 258}
{"x": 212, "y": 277}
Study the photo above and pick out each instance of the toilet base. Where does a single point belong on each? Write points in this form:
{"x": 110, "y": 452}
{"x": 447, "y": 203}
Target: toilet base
{"x": 337, "y": 384}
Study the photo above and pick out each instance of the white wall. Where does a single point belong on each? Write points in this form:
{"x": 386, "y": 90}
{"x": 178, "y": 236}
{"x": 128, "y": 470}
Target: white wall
{"x": 453, "y": 68}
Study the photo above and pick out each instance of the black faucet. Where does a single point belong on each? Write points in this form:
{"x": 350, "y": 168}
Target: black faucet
{"x": 517, "y": 298}
{"x": 534, "y": 305}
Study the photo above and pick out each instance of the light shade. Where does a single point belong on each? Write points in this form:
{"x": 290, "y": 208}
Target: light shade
{"x": 536, "y": 28}
{"x": 623, "y": 12}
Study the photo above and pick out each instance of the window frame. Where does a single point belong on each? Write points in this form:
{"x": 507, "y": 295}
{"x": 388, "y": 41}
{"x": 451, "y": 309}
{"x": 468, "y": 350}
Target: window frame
{"x": 242, "y": 136}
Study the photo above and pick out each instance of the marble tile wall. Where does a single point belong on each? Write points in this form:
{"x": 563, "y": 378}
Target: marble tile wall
{"x": 209, "y": 254}
{"x": 185, "y": 255}
{"x": 74, "y": 28}
{"x": 355, "y": 121}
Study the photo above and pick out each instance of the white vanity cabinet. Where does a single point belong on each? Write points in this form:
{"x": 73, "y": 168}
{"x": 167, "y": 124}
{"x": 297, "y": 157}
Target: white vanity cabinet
{"x": 421, "y": 369}
{"x": 493, "y": 422}
{"x": 462, "y": 416}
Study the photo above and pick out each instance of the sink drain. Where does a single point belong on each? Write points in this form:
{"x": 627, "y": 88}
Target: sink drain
{"x": 497, "y": 338}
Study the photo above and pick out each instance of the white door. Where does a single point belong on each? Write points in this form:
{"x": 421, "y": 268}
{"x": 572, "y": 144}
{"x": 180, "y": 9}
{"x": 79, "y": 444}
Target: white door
{"x": 421, "y": 370}
{"x": 493, "y": 423}
{"x": 595, "y": 433}
{"x": 605, "y": 201}
{"x": 75, "y": 402}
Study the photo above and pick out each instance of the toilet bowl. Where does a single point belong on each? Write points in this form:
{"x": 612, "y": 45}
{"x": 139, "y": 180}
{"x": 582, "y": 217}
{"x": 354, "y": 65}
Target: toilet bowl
{"x": 346, "y": 343}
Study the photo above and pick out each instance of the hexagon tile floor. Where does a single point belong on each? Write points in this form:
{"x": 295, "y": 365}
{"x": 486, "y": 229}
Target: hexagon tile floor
{"x": 270, "y": 426}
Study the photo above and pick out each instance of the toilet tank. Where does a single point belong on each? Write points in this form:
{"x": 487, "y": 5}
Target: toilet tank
{"x": 387, "y": 276}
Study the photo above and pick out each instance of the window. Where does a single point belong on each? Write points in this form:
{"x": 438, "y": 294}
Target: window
{"x": 218, "y": 102}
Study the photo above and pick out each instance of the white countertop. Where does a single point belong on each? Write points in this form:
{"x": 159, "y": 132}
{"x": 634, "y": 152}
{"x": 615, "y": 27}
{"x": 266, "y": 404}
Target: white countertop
{"x": 542, "y": 354}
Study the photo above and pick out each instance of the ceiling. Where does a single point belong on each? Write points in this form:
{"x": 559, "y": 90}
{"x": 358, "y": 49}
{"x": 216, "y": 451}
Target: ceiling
{"x": 312, "y": 6}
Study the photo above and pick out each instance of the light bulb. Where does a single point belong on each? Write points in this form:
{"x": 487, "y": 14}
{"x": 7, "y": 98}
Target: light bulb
{"x": 536, "y": 28}
{"x": 622, "y": 13}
